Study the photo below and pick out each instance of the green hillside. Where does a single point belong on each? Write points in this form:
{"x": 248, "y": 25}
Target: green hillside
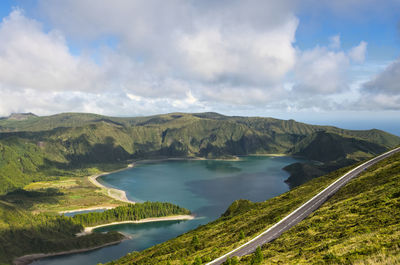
{"x": 358, "y": 225}
{"x": 331, "y": 151}
{"x": 36, "y": 148}
{"x": 22, "y": 232}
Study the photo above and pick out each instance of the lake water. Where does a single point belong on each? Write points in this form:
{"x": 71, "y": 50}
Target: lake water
{"x": 84, "y": 211}
{"x": 206, "y": 187}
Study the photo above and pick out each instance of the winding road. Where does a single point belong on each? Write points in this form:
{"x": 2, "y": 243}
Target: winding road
{"x": 301, "y": 212}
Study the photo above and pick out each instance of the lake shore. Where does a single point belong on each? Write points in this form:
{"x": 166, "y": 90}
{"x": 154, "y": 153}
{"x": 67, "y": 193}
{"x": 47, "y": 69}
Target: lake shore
{"x": 90, "y": 229}
{"x": 88, "y": 209}
{"x": 120, "y": 195}
{"x": 26, "y": 259}
{"x": 116, "y": 194}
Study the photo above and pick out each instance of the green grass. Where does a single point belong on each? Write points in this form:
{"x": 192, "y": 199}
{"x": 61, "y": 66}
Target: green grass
{"x": 50, "y": 156}
{"x": 226, "y": 233}
{"x": 358, "y": 225}
{"x": 22, "y": 232}
{"x": 45, "y": 148}
{"x": 72, "y": 193}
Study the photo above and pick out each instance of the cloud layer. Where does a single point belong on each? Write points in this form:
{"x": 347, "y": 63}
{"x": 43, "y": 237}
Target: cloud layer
{"x": 146, "y": 57}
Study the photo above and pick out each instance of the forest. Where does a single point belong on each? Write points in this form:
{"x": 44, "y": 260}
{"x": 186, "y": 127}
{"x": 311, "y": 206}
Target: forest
{"x": 130, "y": 212}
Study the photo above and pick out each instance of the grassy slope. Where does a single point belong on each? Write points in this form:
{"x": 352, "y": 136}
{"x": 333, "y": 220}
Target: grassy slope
{"x": 39, "y": 148}
{"x": 358, "y": 225}
{"x": 223, "y": 235}
{"x": 333, "y": 150}
{"x": 70, "y": 193}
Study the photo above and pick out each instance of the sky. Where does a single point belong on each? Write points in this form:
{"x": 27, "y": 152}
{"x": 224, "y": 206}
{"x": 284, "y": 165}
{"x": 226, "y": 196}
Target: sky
{"x": 316, "y": 61}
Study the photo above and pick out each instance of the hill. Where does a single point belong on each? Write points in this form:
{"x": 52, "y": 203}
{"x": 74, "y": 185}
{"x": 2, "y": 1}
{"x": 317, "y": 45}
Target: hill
{"x": 332, "y": 151}
{"x": 22, "y": 232}
{"x": 359, "y": 225}
{"x": 40, "y": 148}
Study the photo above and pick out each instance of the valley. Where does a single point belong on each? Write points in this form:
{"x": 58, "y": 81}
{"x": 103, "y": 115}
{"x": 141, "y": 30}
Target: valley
{"x": 47, "y": 164}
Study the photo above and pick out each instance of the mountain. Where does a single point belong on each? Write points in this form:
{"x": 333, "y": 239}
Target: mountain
{"x": 360, "y": 224}
{"x": 46, "y": 147}
{"x": 332, "y": 151}
{"x": 21, "y": 116}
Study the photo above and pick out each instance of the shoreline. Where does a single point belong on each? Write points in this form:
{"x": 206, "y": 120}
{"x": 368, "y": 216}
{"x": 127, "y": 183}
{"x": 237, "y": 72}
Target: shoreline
{"x": 120, "y": 195}
{"x": 27, "y": 259}
{"x": 89, "y": 230}
{"x": 117, "y": 194}
{"x": 273, "y": 155}
{"x": 88, "y": 209}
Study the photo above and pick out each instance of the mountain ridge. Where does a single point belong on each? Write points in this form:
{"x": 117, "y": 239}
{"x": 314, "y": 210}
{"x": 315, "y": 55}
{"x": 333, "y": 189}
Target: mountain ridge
{"x": 49, "y": 146}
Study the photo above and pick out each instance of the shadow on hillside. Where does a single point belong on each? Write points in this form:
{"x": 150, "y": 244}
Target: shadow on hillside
{"x": 27, "y": 199}
{"x": 81, "y": 153}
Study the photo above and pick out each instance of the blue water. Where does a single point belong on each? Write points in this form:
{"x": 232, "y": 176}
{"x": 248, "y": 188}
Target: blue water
{"x": 84, "y": 211}
{"x": 205, "y": 187}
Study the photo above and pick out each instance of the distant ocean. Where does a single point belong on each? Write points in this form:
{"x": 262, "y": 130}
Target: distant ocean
{"x": 392, "y": 127}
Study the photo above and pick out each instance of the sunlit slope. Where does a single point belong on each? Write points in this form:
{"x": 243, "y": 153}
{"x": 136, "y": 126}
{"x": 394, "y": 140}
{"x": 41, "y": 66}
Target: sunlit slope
{"x": 358, "y": 225}
{"x": 41, "y": 147}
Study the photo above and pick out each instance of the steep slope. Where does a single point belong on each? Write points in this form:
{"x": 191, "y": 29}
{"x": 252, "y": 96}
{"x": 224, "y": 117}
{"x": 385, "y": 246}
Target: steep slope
{"x": 326, "y": 146}
{"x": 20, "y": 163}
{"x": 47, "y": 146}
{"x": 358, "y": 225}
{"x": 333, "y": 151}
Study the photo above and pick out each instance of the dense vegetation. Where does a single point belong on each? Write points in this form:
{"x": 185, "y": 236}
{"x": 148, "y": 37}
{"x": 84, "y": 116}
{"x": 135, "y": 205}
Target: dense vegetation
{"x": 240, "y": 222}
{"x": 358, "y": 225}
{"x": 130, "y": 212}
{"x": 36, "y": 150}
{"x": 22, "y": 232}
{"x": 40, "y": 148}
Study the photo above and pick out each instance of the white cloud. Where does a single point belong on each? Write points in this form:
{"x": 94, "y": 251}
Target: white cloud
{"x": 387, "y": 82}
{"x": 166, "y": 49}
{"x": 383, "y": 91}
{"x": 178, "y": 55}
{"x": 357, "y": 54}
{"x": 321, "y": 71}
{"x": 241, "y": 55}
{"x": 30, "y": 58}
{"x": 325, "y": 71}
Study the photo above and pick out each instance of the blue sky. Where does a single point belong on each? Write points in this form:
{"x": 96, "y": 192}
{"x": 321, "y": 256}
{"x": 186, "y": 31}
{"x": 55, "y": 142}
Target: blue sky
{"x": 325, "y": 62}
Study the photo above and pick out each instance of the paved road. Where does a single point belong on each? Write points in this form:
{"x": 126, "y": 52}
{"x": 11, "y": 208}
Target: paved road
{"x": 300, "y": 213}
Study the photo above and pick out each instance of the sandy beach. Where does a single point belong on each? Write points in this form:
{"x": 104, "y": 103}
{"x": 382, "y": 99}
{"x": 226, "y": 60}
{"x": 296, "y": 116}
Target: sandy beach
{"x": 89, "y": 230}
{"x": 116, "y": 194}
{"x": 120, "y": 195}
{"x": 24, "y": 260}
